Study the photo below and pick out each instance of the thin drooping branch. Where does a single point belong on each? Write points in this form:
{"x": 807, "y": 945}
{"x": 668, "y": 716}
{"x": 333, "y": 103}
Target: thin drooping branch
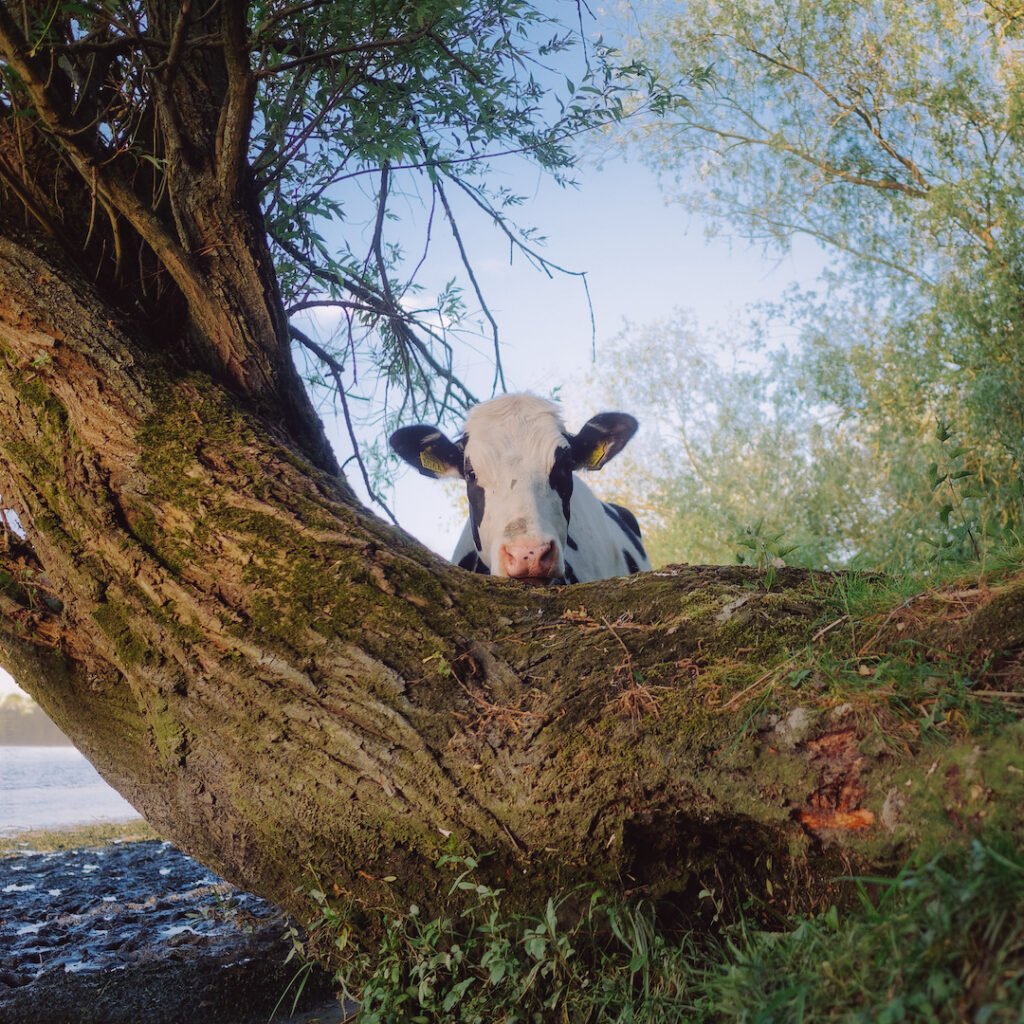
{"x": 499, "y": 372}
{"x": 336, "y": 369}
{"x": 536, "y": 259}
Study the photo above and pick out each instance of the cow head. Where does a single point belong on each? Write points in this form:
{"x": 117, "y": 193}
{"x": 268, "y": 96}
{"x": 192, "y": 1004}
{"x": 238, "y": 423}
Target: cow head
{"x": 517, "y": 459}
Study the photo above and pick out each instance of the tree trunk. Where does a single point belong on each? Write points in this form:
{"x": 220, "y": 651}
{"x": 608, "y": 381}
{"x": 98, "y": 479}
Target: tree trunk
{"x": 291, "y": 691}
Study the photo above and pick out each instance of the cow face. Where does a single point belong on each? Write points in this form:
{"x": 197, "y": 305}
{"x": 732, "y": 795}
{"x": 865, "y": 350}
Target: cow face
{"x": 517, "y": 460}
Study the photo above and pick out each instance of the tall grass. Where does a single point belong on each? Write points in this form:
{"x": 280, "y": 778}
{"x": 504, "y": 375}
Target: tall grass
{"x": 941, "y": 942}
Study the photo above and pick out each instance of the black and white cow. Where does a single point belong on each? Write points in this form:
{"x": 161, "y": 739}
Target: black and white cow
{"x": 530, "y": 517}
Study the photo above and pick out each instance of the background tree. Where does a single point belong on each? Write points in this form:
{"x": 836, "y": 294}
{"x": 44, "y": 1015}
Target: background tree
{"x": 890, "y": 133}
{"x": 748, "y": 463}
{"x": 740, "y": 468}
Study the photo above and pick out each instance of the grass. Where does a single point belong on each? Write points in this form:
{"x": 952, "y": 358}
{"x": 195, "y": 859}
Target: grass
{"x": 47, "y": 840}
{"x": 905, "y": 651}
{"x": 941, "y": 942}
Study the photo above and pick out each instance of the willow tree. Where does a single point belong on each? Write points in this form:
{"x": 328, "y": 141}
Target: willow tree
{"x": 890, "y": 133}
{"x": 281, "y": 683}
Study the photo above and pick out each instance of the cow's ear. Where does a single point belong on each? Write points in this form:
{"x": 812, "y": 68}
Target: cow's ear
{"x": 601, "y": 439}
{"x": 428, "y": 450}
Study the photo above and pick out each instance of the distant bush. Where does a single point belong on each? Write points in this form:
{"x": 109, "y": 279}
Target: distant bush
{"x": 23, "y": 723}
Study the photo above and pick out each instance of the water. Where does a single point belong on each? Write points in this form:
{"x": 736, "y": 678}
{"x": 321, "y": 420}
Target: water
{"x": 53, "y": 787}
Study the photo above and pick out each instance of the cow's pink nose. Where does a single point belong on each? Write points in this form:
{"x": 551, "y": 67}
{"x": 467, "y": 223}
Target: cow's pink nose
{"x": 533, "y": 560}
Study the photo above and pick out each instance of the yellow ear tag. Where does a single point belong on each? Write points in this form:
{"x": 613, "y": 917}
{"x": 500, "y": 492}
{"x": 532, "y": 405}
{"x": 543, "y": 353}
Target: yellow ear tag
{"x": 597, "y": 455}
{"x": 434, "y": 465}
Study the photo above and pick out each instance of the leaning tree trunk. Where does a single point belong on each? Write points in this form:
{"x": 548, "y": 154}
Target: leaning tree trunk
{"x": 290, "y": 690}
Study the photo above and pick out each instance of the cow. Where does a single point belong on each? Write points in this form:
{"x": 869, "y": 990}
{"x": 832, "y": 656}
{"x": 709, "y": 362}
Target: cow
{"x": 530, "y": 517}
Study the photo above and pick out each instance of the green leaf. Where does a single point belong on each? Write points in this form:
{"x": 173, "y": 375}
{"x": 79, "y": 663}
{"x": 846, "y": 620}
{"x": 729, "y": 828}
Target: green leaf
{"x": 456, "y": 993}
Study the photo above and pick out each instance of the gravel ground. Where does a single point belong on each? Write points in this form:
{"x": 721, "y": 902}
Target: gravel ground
{"x": 138, "y": 932}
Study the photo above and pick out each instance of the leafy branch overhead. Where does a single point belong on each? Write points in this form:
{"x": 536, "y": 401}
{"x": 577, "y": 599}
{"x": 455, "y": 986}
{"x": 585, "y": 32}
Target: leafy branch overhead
{"x": 325, "y": 121}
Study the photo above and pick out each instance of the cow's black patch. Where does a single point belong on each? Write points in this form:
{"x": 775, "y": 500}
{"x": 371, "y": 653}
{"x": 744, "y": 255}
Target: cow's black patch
{"x": 630, "y": 561}
{"x": 560, "y": 477}
{"x": 627, "y": 518}
{"x": 572, "y": 543}
{"x": 477, "y": 500}
{"x": 570, "y": 576}
{"x": 626, "y": 522}
{"x": 473, "y": 562}
{"x": 427, "y": 449}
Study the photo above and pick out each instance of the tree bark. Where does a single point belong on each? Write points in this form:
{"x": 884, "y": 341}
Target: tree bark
{"x": 293, "y": 692}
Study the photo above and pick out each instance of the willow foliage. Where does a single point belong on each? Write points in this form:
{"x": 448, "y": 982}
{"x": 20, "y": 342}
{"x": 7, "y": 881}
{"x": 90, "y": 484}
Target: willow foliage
{"x": 891, "y": 132}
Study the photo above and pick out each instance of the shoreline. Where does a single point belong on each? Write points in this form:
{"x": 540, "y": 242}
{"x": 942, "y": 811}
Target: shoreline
{"x": 70, "y": 837}
{"x": 47, "y": 787}
{"x": 109, "y": 923}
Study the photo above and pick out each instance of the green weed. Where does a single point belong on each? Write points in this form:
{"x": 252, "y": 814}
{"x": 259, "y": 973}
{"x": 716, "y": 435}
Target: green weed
{"x": 942, "y": 942}
{"x": 582, "y": 958}
{"x": 763, "y": 551}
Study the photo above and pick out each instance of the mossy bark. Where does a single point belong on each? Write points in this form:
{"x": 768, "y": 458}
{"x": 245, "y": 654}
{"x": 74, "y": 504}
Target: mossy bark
{"x": 292, "y": 691}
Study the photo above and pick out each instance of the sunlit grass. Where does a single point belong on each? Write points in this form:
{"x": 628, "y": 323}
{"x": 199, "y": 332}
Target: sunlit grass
{"x": 47, "y": 840}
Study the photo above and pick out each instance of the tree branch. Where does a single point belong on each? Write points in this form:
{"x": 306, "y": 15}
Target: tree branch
{"x": 177, "y": 43}
{"x": 236, "y": 114}
{"x": 336, "y": 369}
{"x": 409, "y": 344}
{"x": 371, "y": 46}
{"x": 93, "y": 165}
{"x": 499, "y": 372}
{"x": 850, "y": 108}
{"x": 23, "y": 190}
{"x": 535, "y": 258}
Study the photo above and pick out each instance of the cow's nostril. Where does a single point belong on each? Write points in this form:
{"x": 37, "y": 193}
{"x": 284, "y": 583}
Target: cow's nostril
{"x": 547, "y": 557}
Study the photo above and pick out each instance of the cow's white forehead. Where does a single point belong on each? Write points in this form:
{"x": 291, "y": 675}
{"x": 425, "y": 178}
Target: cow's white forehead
{"x": 517, "y": 428}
